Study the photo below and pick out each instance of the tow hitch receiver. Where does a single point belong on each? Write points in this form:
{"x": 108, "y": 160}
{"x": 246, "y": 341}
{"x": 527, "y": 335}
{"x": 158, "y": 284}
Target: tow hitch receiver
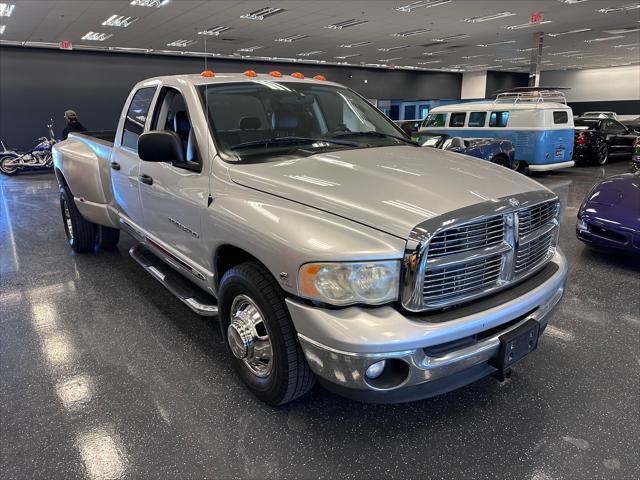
{"x": 515, "y": 345}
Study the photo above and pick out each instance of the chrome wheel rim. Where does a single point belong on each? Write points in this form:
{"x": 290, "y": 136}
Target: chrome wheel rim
{"x": 603, "y": 154}
{"x": 67, "y": 219}
{"x": 7, "y": 168}
{"x": 248, "y": 336}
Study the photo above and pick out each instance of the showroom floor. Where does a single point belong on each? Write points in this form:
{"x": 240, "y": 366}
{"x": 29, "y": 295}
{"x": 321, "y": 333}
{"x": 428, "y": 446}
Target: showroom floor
{"x": 104, "y": 375}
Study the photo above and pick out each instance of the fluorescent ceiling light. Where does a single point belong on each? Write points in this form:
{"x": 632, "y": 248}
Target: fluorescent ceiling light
{"x": 603, "y": 39}
{"x": 344, "y": 57}
{"x": 527, "y": 25}
{"x": 529, "y": 49}
{"x": 469, "y": 57}
{"x": 250, "y": 49}
{"x": 429, "y": 62}
{"x": 181, "y": 43}
{"x": 388, "y": 49}
{"x": 6, "y": 9}
{"x": 119, "y": 21}
{"x": 2, "y": 29}
{"x": 352, "y": 45}
{"x": 423, "y": 4}
{"x": 410, "y": 33}
{"x": 569, "y": 32}
{"x": 486, "y": 18}
{"x": 624, "y": 8}
{"x": 572, "y": 2}
{"x": 506, "y": 42}
{"x": 451, "y": 37}
{"x": 512, "y": 59}
{"x": 352, "y": 22}
{"x": 96, "y": 36}
{"x": 291, "y": 38}
{"x": 215, "y": 31}
{"x": 438, "y": 52}
{"x": 149, "y": 3}
{"x": 385, "y": 60}
{"x": 564, "y": 53}
{"x": 309, "y": 54}
{"x": 628, "y": 45}
{"x": 618, "y": 31}
{"x": 263, "y": 13}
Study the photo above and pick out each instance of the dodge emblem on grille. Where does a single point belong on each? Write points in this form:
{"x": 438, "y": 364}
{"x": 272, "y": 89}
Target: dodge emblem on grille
{"x": 514, "y": 202}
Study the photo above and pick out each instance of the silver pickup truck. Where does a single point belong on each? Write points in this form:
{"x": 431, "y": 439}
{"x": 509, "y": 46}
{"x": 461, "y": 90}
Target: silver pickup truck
{"x": 329, "y": 245}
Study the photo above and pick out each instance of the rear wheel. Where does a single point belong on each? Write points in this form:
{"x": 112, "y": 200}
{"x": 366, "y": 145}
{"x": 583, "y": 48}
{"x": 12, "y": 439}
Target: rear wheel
{"x": 603, "y": 154}
{"x": 81, "y": 233}
{"x": 520, "y": 166}
{"x": 258, "y": 333}
{"x": 6, "y": 167}
{"x": 108, "y": 238}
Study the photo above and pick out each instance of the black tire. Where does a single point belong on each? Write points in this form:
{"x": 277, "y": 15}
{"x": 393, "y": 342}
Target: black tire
{"x": 82, "y": 234}
{"x": 603, "y": 154}
{"x": 290, "y": 375}
{"x": 108, "y": 238}
{"x": 520, "y": 166}
{"x": 10, "y": 171}
{"x": 501, "y": 160}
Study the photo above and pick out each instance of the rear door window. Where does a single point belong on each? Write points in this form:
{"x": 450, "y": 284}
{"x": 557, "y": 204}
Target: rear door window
{"x": 457, "y": 119}
{"x": 436, "y": 120}
{"x": 498, "y": 119}
{"x": 560, "y": 117}
{"x": 137, "y": 117}
{"x": 477, "y": 119}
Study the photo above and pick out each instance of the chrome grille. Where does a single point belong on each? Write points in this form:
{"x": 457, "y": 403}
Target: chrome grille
{"x": 530, "y": 219}
{"x": 461, "y": 279}
{"x": 471, "y": 236}
{"x": 530, "y": 255}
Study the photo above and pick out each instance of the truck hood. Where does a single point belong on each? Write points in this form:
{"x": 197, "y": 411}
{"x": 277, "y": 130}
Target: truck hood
{"x": 391, "y": 189}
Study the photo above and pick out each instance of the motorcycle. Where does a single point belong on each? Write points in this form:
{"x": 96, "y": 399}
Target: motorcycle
{"x": 38, "y": 158}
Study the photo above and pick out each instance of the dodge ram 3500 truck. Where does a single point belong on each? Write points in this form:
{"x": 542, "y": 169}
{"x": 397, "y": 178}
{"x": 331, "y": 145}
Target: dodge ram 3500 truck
{"x": 329, "y": 245}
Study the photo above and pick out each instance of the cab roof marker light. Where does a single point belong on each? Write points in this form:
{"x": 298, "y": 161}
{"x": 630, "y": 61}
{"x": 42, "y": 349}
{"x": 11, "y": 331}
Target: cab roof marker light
{"x": 250, "y": 73}
{"x": 96, "y": 36}
{"x": 486, "y": 18}
{"x": 421, "y": 4}
{"x": 208, "y": 74}
{"x": 119, "y": 21}
{"x": 215, "y": 31}
{"x": 297, "y": 75}
{"x": 149, "y": 3}
{"x": 181, "y": 43}
{"x": 451, "y": 37}
{"x": 388, "y": 49}
{"x": 527, "y": 25}
{"x": 410, "y": 33}
{"x": 320, "y": 77}
{"x": 569, "y": 32}
{"x": 6, "y": 9}
{"x": 604, "y": 39}
{"x": 506, "y": 42}
{"x": 275, "y": 73}
{"x": 263, "y": 13}
{"x": 624, "y": 8}
{"x": 291, "y": 38}
{"x": 352, "y": 45}
{"x": 352, "y": 22}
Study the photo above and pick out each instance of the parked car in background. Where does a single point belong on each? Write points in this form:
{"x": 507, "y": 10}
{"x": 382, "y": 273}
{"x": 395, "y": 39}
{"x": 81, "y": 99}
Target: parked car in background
{"x": 495, "y": 150}
{"x": 410, "y": 127}
{"x": 632, "y": 124}
{"x": 613, "y": 115}
{"x": 610, "y": 215}
{"x": 538, "y": 122}
{"x": 596, "y": 140}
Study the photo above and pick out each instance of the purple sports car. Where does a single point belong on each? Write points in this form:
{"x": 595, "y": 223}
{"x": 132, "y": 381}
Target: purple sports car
{"x": 610, "y": 215}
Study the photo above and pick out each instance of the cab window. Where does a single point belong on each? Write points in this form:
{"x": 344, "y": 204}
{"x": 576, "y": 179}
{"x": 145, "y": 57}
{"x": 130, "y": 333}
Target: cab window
{"x": 435, "y": 120}
{"x": 457, "y": 119}
{"x": 560, "y": 117}
{"x": 137, "y": 117}
{"x": 498, "y": 119}
{"x": 477, "y": 119}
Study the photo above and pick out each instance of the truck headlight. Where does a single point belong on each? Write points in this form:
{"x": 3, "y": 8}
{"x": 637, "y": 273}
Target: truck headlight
{"x": 372, "y": 283}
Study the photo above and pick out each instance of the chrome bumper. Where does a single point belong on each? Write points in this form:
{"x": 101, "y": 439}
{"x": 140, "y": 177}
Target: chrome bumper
{"x": 341, "y": 344}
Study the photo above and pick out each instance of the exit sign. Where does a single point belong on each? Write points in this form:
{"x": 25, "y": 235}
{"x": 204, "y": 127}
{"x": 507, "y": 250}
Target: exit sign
{"x": 536, "y": 17}
{"x": 66, "y": 45}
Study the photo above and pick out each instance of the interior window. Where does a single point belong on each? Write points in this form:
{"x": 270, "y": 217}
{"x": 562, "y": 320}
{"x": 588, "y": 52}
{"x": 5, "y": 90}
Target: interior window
{"x": 477, "y": 119}
{"x": 457, "y": 119}
{"x": 172, "y": 115}
{"x": 435, "y": 120}
{"x": 615, "y": 127}
{"x": 498, "y": 119}
{"x": 560, "y": 117}
{"x": 137, "y": 117}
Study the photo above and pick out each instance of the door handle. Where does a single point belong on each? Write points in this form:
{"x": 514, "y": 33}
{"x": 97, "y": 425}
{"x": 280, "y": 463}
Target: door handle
{"x": 115, "y": 165}
{"x": 145, "y": 179}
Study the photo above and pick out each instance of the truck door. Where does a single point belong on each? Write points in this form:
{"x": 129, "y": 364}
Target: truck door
{"x": 125, "y": 163}
{"x": 175, "y": 195}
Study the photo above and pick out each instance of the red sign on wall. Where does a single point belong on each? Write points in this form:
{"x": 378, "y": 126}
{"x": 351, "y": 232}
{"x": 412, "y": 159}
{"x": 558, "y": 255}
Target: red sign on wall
{"x": 66, "y": 45}
{"x": 536, "y": 17}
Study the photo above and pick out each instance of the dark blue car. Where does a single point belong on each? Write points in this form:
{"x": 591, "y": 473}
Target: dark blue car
{"x": 494, "y": 150}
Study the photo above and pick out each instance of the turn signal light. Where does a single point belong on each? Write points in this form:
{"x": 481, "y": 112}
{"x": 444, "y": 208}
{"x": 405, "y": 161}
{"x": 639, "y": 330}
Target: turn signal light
{"x": 275, "y": 73}
{"x": 208, "y": 74}
{"x": 250, "y": 73}
{"x": 319, "y": 77}
{"x": 297, "y": 75}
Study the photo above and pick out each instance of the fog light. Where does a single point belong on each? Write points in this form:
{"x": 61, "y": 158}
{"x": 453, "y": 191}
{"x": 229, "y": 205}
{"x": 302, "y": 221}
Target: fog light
{"x": 582, "y": 225}
{"x": 375, "y": 370}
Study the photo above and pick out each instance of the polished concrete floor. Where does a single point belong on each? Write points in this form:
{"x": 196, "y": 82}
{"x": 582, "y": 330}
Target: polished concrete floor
{"x": 103, "y": 375}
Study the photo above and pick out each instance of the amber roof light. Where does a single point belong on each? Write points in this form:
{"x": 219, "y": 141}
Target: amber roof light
{"x": 208, "y": 74}
{"x": 297, "y": 75}
{"x": 250, "y": 73}
{"x": 275, "y": 73}
{"x": 319, "y": 77}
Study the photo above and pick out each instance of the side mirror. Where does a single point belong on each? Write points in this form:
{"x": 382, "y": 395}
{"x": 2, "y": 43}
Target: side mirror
{"x": 160, "y": 146}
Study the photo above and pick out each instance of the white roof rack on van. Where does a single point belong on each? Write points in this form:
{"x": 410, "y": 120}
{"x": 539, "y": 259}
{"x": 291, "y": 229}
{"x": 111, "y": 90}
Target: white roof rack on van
{"x": 531, "y": 94}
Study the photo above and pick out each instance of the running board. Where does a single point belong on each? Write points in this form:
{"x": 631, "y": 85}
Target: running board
{"x": 192, "y": 296}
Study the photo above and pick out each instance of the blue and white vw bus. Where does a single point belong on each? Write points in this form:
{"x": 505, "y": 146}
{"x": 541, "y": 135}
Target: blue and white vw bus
{"x": 539, "y": 123}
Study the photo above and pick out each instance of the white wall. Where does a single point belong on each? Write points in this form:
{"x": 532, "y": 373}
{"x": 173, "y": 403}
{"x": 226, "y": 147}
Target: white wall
{"x": 474, "y": 85}
{"x": 600, "y": 84}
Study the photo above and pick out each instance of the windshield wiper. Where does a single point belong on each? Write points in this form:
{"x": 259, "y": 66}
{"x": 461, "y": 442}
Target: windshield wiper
{"x": 373, "y": 133}
{"x": 291, "y": 141}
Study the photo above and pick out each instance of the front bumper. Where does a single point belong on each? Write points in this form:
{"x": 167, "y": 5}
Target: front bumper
{"x": 437, "y": 352}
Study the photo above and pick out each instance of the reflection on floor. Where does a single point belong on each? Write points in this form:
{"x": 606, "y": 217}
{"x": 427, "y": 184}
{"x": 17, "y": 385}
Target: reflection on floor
{"x": 105, "y": 376}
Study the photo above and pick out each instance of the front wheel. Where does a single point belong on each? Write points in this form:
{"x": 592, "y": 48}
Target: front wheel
{"x": 603, "y": 154}
{"x": 259, "y": 334}
{"x": 7, "y": 165}
{"x": 81, "y": 233}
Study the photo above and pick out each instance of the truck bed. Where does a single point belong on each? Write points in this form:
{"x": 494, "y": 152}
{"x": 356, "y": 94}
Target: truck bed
{"x": 104, "y": 135}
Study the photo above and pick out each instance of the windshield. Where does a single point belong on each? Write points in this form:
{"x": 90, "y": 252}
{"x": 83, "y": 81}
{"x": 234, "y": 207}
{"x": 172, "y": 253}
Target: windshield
{"x": 265, "y": 118}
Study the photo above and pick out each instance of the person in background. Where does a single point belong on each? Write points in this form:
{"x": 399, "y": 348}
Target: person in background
{"x": 73, "y": 125}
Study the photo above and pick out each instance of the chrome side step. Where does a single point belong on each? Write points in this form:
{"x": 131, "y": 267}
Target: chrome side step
{"x": 194, "y": 297}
